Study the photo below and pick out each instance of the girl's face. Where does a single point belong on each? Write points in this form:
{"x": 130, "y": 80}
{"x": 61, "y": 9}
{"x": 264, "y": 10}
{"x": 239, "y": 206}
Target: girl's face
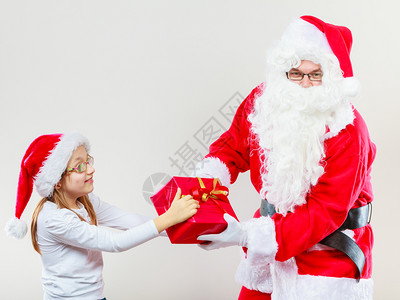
{"x": 77, "y": 184}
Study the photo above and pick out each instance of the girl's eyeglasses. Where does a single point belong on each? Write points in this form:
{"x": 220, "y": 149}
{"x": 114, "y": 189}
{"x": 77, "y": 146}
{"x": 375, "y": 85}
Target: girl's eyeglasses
{"x": 82, "y": 167}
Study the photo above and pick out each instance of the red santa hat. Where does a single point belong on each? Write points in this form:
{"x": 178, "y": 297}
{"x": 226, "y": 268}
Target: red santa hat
{"x": 312, "y": 39}
{"x": 42, "y": 166}
{"x": 339, "y": 39}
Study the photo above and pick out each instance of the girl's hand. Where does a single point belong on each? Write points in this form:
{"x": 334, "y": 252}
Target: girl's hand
{"x": 181, "y": 209}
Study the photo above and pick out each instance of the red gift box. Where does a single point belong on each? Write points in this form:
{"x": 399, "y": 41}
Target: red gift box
{"x": 209, "y": 218}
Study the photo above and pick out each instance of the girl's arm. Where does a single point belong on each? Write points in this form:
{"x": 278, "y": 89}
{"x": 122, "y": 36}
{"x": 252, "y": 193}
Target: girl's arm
{"x": 111, "y": 216}
{"x": 65, "y": 227}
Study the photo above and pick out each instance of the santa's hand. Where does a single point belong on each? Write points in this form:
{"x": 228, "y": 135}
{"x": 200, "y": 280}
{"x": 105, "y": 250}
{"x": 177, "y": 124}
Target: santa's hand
{"x": 233, "y": 235}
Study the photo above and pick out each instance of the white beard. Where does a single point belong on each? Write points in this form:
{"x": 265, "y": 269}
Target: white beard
{"x": 290, "y": 123}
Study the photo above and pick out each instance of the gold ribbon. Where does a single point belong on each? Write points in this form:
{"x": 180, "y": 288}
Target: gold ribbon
{"x": 216, "y": 193}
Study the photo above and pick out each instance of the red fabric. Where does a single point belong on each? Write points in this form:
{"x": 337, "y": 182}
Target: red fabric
{"x": 344, "y": 185}
{"x": 32, "y": 161}
{"x": 209, "y": 218}
{"x": 340, "y": 40}
{"x": 246, "y": 294}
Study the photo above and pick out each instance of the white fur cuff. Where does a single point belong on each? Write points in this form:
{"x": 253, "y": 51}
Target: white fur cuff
{"x": 254, "y": 277}
{"x": 254, "y": 271}
{"x": 261, "y": 242}
{"x": 213, "y": 167}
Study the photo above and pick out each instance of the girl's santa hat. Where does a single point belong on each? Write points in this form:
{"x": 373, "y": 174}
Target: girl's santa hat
{"x": 309, "y": 38}
{"x": 42, "y": 165}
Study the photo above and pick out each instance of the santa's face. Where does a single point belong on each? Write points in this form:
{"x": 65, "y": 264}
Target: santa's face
{"x": 307, "y": 67}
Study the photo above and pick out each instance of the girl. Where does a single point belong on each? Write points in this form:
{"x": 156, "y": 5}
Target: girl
{"x": 64, "y": 224}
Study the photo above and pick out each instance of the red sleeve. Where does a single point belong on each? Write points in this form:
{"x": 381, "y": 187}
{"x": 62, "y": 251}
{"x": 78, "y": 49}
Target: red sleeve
{"x": 233, "y": 146}
{"x": 347, "y": 166}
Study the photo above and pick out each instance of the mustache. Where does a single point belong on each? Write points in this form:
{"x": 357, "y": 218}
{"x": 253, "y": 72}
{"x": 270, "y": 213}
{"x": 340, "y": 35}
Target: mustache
{"x": 316, "y": 99}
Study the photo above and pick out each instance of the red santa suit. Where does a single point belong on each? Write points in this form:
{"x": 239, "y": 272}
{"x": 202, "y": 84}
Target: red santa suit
{"x": 284, "y": 257}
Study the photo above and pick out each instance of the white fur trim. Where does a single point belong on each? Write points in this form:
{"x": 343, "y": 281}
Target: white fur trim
{"x": 302, "y": 34}
{"x": 261, "y": 243}
{"x": 254, "y": 276}
{"x": 277, "y": 277}
{"x": 16, "y": 228}
{"x": 284, "y": 275}
{"x": 345, "y": 116}
{"x": 56, "y": 163}
{"x": 260, "y": 271}
{"x": 254, "y": 271}
{"x": 332, "y": 288}
{"x": 300, "y": 41}
{"x": 213, "y": 167}
{"x": 282, "y": 281}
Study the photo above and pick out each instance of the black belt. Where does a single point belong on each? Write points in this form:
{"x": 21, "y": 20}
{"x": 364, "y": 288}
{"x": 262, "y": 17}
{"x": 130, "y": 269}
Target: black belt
{"x": 356, "y": 218}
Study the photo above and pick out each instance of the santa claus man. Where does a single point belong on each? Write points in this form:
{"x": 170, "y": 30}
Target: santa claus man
{"x": 309, "y": 155}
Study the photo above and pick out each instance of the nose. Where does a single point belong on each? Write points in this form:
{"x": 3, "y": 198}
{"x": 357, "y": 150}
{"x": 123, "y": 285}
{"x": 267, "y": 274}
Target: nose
{"x": 89, "y": 169}
{"x": 306, "y": 82}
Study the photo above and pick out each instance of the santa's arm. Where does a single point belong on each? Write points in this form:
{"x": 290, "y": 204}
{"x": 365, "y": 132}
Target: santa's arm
{"x": 230, "y": 154}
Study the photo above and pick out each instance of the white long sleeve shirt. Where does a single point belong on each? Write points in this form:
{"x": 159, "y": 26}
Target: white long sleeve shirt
{"x": 71, "y": 249}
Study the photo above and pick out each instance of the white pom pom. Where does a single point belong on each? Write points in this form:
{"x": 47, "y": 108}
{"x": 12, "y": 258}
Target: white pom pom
{"x": 16, "y": 228}
{"x": 350, "y": 86}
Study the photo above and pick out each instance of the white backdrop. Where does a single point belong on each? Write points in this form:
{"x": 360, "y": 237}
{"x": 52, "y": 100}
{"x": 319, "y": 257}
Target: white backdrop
{"x": 140, "y": 79}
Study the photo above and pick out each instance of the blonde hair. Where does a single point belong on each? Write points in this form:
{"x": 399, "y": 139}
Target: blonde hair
{"x": 59, "y": 199}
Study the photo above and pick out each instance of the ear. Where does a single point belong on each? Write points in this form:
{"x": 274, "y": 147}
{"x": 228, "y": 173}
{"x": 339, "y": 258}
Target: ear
{"x": 58, "y": 185}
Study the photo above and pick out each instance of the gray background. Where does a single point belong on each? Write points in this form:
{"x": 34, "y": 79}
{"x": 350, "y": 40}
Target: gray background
{"x": 140, "y": 78}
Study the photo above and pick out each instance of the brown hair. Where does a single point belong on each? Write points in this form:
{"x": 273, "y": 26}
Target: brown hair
{"x": 59, "y": 199}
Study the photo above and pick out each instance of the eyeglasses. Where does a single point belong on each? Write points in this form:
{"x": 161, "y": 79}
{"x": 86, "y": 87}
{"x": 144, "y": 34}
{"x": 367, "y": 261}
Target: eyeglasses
{"x": 82, "y": 167}
{"x": 298, "y": 76}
